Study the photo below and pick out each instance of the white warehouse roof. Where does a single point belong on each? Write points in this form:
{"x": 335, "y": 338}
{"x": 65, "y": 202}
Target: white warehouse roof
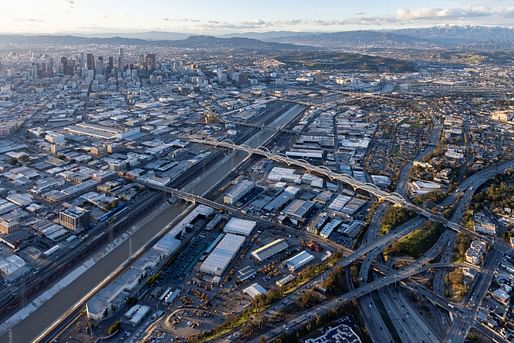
{"x": 254, "y": 290}
{"x": 240, "y": 226}
{"x": 298, "y": 261}
{"x": 12, "y": 264}
{"x": 219, "y": 259}
{"x": 270, "y": 249}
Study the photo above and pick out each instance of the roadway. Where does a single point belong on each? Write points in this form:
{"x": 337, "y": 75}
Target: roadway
{"x": 370, "y": 188}
{"x": 51, "y": 311}
{"x": 370, "y": 313}
{"x": 431, "y": 254}
{"x": 409, "y": 325}
{"x": 466, "y": 189}
{"x": 460, "y": 327}
{"x": 326, "y": 307}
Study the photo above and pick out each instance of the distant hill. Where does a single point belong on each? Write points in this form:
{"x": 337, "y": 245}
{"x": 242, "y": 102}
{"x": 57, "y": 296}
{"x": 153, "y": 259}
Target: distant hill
{"x": 351, "y": 39}
{"x": 447, "y": 36}
{"x": 208, "y": 42}
{"x": 149, "y": 35}
{"x": 344, "y": 61}
{"x": 192, "y": 42}
{"x": 268, "y": 36}
{"x": 457, "y": 35}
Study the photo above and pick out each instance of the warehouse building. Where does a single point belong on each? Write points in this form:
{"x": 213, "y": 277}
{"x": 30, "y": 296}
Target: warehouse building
{"x": 239, "y": 226}
{"x": 298, "y": 210}
{"x": 135, "y": 315}
{"x": 13, "y": 267}
{"x": 219, "y": 259}
{"x": 298, "y": 261}
{"x": 278, "y": 174}
{"x": 329, "y": 227}
{"x": 353, "y": 206}
{"x": 113, "y": 297}
{"x": 238, "y": 192}
{"x": 255, "y": 290}
{"x": 270, "y": 249}
{"x": 282, "y": 199}
{"x": 339, "y": 202}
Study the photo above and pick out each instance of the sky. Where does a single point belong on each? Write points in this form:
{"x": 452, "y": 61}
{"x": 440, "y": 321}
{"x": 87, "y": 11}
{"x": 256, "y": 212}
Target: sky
{"x": 230, "y": 16}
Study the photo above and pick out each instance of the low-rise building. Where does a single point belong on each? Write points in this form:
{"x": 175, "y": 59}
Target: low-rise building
{"x": 254, "y": 290}
{"x": 237, "y": 192}
{"x": 219, "y": 259}
{"x": 240, "y": 226}
{"x": 483, "y": 224}
{"x": 298, "y": 261}
{"x": 270, "y": 249}
{"x": 13, "y": 267}
{"x": 135, "y": 315}
{"x": 74, "y": 218}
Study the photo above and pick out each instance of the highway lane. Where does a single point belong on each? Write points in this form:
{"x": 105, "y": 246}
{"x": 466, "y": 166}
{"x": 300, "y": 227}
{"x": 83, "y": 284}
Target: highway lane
{"x": 467, "y": 190}
{"x": 370, "y": 313}
{"x": 444, "y": 242}
{"x": 326, "y": 307}
{"x": 47, "y": 313}
{"x": 431, "y": 254}
{"x": 415, "y": 320}
{"x": 460, "y": 327}
{"x": 371, "y": 316}
{"x": 409, "y": 325}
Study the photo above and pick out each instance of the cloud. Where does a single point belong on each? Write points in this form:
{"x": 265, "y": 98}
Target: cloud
{"x": 28, "y": 20}
{"x": 70, "y": 3}
{"x": 441, "y": 13}
{"x": 401, "y": 17}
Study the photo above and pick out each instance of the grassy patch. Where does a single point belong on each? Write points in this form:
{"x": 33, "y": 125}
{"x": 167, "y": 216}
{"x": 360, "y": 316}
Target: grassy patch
{"x": 393, "y": 217}
{"x": 417, "y": 242}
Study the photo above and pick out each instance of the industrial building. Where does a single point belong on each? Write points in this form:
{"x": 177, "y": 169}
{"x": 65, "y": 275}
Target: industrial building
{"x": 237, "y": 192}
{"x": 13, "y": 267}
{"x": 282, "y": 199}
{"x": 102, "y": 132}
{"x": 298, "y": 261}
{"x": 246, "y": 273}
{"x": 239, "y": 226}
{"x": 329, "y": 227}
{"x": 305, "y": 154}
{"x": 285, "y": 280}
{"x": 339, "y": 202}
{"x": 270, "y": 249}
{"x": 135, "y": 315}
{"x": 298, "y": 210}
{"x": 113, "y": 296}
{"x": 255, "y": 290}
{"x": 74, "y": 218}
{"x": 278, "y": 174}
{"x": 219, "y": 259}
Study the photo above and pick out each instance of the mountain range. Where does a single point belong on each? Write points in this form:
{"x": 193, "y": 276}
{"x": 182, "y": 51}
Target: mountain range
{"x": 191, "y": 42}
{"x": 420, "y": 38}
{"x": 447, "y": 36}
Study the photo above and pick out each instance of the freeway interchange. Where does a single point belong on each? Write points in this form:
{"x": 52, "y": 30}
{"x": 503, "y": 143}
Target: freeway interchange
{"x": 411, "y": 327}
{"x": 372, "y": 247}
